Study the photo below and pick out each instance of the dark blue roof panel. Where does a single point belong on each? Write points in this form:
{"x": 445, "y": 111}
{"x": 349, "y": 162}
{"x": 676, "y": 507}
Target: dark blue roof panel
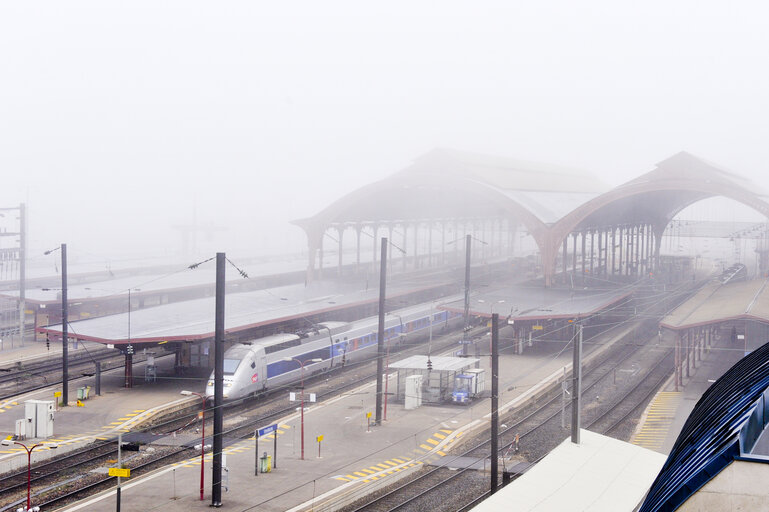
{"x": 724, "y": 425}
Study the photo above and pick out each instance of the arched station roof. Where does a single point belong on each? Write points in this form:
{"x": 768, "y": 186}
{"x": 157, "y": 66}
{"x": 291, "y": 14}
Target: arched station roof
{"x": 657, "y": 196}
{"x": 446, "y": 183}
{"x": 550, "y": 201}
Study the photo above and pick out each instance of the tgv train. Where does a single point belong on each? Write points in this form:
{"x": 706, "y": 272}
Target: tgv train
{"x": 251, "y": 367}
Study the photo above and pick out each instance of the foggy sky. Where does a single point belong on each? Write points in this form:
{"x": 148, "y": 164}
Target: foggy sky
{"x": 117, "y": 119}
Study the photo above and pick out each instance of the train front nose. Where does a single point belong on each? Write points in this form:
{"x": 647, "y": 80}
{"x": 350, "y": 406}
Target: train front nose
{"x": 227, "y": 385}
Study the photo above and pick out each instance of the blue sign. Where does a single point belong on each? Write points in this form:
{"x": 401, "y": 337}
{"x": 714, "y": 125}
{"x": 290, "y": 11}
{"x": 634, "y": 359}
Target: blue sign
{"x": 268, "y": 430}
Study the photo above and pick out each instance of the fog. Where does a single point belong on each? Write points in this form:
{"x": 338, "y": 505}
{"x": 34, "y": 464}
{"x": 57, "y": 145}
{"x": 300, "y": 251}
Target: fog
{"x": 119, "y": 121}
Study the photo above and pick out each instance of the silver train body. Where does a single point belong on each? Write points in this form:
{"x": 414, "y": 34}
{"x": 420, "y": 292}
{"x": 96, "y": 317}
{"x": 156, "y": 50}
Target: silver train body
{"x": 254, "y": 366}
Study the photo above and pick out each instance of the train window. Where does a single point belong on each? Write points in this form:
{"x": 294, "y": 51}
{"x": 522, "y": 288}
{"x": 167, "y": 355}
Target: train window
{"x": 277, "y": 347}
{"x": 231, "y": 365}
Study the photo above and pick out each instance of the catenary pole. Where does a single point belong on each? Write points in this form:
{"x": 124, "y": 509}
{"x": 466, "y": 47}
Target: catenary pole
{"x": 494, "y": 401}
{"x": 380, "y": 332}
{"x": 466, "y": 318}
{"x": 576, "y": 371}
{"x": 22, "y": 270}
{"x": 64, "y": 326}
{"x": 216, "y": 477}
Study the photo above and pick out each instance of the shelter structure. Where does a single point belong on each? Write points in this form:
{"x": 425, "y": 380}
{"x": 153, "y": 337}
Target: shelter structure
{"x": 436, "y": 374}
{"x": 720, "y": 460}
{"x": 576, "y": 222}
{"x": 736, "y": 313}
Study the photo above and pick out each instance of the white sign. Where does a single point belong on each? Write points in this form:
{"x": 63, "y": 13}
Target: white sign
{"x": 312, "y": 397}
{"x": 292, "y": 397}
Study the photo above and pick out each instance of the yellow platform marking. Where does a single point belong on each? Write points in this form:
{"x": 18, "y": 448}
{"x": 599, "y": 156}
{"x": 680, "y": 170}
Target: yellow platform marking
{"x": 123, "y": 419}
{"x": 439, "y": 436}
{"x": 442, "y": 454}
{"x": 351, "y": 477}
{"x": 433, "y": 442}
{"x": 660, "y": 416}
{"x": 140, "y": 410}
{"x": 445, "y": 431}
{"x": 399, "y": 461}
{"x": 425, "y": 447}
{"x": 132, "y": 414}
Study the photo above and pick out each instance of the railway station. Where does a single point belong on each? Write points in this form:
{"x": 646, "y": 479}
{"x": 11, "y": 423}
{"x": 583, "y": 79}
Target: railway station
{"x": 554, "y": 253}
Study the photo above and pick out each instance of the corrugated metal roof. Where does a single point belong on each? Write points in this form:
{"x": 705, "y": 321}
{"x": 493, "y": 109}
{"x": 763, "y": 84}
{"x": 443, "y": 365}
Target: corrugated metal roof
{"x": 194, "y": 319}
{"x": 724, "y": 425}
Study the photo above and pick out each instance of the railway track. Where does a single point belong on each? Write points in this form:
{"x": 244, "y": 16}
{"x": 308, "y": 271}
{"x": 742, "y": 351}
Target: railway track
{"x": 538, "y": 432}
{"x": 57, "y": 481}
{"x": 21, "y": 378}
{"x": 60, "y": 487}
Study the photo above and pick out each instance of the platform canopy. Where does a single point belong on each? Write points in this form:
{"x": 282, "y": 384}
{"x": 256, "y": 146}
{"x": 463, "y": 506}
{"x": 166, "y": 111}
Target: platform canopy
{"x": 717, "y": 302}
{"x": 599, "y": 474}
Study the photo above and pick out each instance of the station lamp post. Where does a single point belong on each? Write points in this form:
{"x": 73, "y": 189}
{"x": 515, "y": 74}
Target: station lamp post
{"x": 301, "y": 404}
{"x": 8, "y": 442}
{"x": 203, "y": 436}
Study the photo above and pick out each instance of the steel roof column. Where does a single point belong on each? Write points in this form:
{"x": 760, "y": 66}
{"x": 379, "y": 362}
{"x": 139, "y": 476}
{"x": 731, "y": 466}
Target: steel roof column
{"x": 601, "y": 256}
{"x": 340, "y": 232}
{"x": 677, "y": 359}
{"x": 357, "y": 248}
{"x": 658, "y": 231}
{"x": 565, "y": 258}
{"x": 390, "y": 228}
{"x": 574, "y": 256}
{"x": 639, "y": 250}
{"x": 375, "y": 227}
{"x": 613, "y": 249}
{"x": 312, "y": 249}
{"x": 404, "y": 243}
{"x": 584, "y": 239}
{"x": 320, "y": 255}
{"x": 416, "y": 245}
{"x": 430, "y": 244}
{"x": 443, "y": 242}
{"x": 592, "y": 250}
{"x": 549, "y": 256}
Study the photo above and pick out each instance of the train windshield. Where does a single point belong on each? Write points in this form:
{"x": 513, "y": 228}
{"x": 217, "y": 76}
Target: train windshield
{"x": 230, "y": 366}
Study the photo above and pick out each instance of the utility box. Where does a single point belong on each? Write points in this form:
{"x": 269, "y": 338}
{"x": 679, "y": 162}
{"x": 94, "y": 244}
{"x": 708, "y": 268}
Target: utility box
{"x": 21, "y": 429}
{"x": 38, "y": 416}
{"x": 413, "y": 397}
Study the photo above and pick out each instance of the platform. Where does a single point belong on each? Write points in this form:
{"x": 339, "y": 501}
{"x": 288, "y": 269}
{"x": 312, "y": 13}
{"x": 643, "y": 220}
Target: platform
{"x": 353, "y": 458}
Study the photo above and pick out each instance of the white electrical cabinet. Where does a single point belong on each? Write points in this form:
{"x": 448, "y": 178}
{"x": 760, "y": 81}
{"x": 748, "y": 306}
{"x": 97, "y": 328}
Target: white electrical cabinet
{"x": 413, "y": 392}
{"x": 39, "y": 417}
